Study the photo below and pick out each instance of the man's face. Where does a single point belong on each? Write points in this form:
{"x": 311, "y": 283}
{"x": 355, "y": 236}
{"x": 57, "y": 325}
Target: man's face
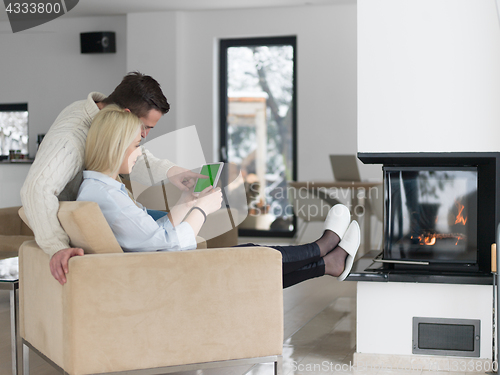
{"x": 149, "y": 122}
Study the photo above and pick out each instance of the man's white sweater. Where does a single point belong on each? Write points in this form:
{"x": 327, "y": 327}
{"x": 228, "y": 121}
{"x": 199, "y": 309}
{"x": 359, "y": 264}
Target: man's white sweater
{"x": 56, "y": 173}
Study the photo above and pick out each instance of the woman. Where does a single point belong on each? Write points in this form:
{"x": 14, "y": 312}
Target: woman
{"x": 112, "y": 148}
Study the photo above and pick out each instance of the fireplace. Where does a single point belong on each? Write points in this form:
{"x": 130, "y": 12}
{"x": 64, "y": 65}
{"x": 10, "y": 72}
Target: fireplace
{"x": 441, "y": 211}
{"x": 431, "y": 215}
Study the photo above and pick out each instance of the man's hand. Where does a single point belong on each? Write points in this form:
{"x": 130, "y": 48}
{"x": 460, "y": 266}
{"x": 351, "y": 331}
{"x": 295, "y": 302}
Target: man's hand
{"x": 183, "y": 178}
{"x": 59, "y": 263}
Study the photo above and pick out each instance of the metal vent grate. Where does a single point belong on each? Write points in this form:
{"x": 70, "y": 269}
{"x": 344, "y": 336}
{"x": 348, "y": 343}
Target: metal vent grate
{"x": 455, "y": 337}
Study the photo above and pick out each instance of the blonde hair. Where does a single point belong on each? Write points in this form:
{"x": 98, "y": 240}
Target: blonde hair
{"x": 111, "y": 133}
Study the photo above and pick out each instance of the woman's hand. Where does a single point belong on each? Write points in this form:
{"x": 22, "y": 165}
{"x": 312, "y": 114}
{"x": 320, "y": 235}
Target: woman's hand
{"x": 187, "y": 198}
{"x": 182, "y": 207}
{"x": 209, "y": 200}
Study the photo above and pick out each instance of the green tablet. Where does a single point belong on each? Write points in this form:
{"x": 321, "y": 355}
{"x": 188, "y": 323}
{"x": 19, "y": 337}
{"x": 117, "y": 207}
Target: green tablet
{"x": 212, "y": 171}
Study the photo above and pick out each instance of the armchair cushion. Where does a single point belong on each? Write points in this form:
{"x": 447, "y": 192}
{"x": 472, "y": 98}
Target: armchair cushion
{"x": 82, "y": 221}
{"x": 85, "y": 226}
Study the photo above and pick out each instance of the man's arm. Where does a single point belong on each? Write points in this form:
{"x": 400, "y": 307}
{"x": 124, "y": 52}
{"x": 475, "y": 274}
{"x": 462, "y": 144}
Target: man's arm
{"x": 149, "y": 170}
{"x": 57, "y": 163}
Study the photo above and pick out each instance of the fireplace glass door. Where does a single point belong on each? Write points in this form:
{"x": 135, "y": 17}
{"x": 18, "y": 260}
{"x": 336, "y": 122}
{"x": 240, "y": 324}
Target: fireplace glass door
{"x": 430, "y": 214}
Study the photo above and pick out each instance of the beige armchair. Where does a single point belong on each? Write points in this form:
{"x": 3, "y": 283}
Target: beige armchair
{"x": 13, "y": 232}
{"x": 158, "y": 312}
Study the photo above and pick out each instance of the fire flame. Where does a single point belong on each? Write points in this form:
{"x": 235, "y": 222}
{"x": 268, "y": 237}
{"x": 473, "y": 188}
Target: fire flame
{"x": 430, "y": 239}
{"x": 460, "y": 219}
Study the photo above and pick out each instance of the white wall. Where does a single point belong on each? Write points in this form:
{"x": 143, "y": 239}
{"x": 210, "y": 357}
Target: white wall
{"x": 326, "y": 77}
{"x": 152, "y": 50}
{"x": 385, "y": 313}
{"x": 428, "y": 76}
{"x": 12, "y": 177}
{"x": 43, "y": 66}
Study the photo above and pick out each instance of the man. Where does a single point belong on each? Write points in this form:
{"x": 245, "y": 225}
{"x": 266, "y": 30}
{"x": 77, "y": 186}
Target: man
{"x": 56, "y": 173}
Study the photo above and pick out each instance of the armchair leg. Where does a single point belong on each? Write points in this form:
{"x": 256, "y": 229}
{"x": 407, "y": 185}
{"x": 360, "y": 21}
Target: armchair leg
{"x": 278, "y": 366}
{"x": 26, "y": 359}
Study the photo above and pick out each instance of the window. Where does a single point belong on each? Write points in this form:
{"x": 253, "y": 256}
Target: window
{"x": 14, "y": 128}
{"x": 258, "y": 127}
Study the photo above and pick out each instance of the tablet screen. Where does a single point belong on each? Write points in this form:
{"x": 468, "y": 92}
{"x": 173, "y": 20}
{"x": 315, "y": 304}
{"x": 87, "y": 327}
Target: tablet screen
{"x": 209, "y": 170}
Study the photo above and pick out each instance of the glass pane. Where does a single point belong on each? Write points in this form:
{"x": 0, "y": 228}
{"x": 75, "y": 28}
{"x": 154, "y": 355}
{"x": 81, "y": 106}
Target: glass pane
{"x": 259, "y": 130}
{"x": 13, "y": 132}
{"x": 431, "y": 215}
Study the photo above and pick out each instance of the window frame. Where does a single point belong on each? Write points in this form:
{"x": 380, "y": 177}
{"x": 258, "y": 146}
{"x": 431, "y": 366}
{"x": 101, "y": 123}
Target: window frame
{"x": 224, "y": 44}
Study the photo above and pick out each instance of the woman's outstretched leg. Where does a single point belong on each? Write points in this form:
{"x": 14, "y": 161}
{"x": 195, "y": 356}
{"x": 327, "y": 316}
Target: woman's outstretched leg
{"x": 297, "y": 256}
{"x": 324, "y": 256}
{"x": 337, "y": 262}
{"x": 336, "y": 224}
{"x": 294, "y": 257}
{"x": 309, "y": 271}
{"x": 327, "y": 242}
{"x": 332, "y": 264}
{"x": 342, "y": 257}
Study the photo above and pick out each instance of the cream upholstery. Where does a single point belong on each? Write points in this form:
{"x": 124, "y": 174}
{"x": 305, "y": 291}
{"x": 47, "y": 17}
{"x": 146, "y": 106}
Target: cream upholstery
{"x": 13, "y": 232}
{"x": 81, "y": 221}
{"x": 131, "y": 311}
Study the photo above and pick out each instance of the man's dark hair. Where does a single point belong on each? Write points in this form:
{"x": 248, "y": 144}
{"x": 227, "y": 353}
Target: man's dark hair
{"x": 140, "y": 94}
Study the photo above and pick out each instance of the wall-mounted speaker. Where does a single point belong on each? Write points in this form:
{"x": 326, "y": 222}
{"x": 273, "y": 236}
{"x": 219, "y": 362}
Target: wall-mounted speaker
{"x": 98, "y": 42}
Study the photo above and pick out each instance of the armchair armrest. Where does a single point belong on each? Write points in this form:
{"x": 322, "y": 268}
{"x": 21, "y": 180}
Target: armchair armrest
{"x": 144, "y": 310}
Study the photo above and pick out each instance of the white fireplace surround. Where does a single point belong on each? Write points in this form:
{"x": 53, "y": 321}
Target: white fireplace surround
{"x": 428, "y": 81}
{"x": 385, "y": 312}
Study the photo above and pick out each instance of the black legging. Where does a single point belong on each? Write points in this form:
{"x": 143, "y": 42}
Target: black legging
{"x": 301, "y": 262}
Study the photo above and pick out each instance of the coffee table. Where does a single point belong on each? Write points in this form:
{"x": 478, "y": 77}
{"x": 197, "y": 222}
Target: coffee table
{"x": 9, "y": 280}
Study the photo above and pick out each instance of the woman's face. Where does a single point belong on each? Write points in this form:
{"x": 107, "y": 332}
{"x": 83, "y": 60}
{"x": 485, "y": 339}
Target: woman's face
{"x": 133, "y": 152}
